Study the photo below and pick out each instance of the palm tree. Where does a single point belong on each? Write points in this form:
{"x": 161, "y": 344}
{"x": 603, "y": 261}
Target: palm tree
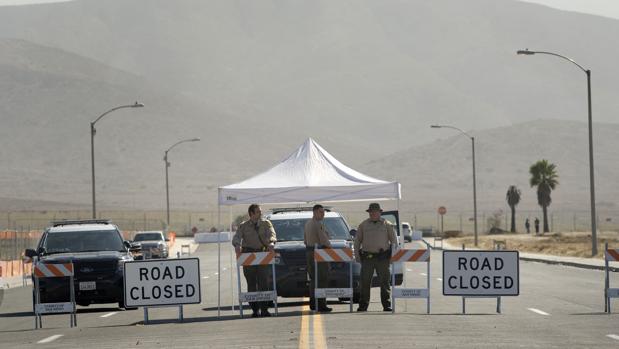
{"x": 513, "y": 198}
{"x": 544, "y": 176}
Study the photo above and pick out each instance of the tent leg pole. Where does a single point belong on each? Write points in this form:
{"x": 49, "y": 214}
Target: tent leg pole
{"x": 218, "y": 261}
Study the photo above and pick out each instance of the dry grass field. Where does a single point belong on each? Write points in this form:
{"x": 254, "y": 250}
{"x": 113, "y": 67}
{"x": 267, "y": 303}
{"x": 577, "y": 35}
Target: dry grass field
{"x": 577, "y": 244}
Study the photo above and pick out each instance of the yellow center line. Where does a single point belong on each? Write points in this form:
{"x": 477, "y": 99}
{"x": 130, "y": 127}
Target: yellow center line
{"x": 320, "y": 341}
{"x": 305, "y": 330}
{"x": 311, "y": 336}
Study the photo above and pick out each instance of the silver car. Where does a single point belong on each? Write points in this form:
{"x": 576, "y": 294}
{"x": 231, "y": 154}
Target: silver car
{"x": 154, "y": 244}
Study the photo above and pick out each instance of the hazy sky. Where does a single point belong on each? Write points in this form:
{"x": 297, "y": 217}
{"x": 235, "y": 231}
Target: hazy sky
{"x": 607, "y": 8}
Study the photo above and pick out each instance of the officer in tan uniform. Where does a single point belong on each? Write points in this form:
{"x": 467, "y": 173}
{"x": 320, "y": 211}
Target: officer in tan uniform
{"x": 256, "y": 235}
{"x": 316, "y": 234}
{"x": 373, "y": 241}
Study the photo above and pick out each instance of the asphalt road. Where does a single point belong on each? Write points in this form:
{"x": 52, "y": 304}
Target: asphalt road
{"x": 558, "y": 307}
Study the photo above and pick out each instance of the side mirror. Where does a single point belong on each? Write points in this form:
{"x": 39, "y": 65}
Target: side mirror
{"x": 30, "y": 253}
{"x": 127, "y": 244}
{"x": 353, "y": 232}
{"x": 40, "y": 251}
{"x": 135, "y": 247}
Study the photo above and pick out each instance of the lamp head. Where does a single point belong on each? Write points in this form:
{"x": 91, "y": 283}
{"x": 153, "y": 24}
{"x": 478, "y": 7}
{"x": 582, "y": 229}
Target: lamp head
{"x": 195, "y": 139}
{"x": 137, "y": 105}
{"x": 525, "y": 52}
{"x": 435, "y": 126}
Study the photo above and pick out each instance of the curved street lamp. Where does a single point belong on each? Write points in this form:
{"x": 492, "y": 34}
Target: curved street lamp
{"x": 167, "y": 165}
{"x": 594, "y": 246}
{"x": 93, "y": 131}
{"x": 474, "y": 179}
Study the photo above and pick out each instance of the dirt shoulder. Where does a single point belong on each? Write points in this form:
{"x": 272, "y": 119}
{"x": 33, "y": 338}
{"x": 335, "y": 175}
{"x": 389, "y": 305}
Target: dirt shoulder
{"x": 577, "y": 244}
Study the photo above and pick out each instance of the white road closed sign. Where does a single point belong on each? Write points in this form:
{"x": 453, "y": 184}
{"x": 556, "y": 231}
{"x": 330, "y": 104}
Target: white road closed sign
{"x": 162, "y": 282}
{"x": 481, "y": 273}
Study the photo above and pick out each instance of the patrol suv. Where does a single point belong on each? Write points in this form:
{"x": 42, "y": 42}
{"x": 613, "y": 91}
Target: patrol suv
{"x": 98, "y": 253}
{"x": 291, "y": 267}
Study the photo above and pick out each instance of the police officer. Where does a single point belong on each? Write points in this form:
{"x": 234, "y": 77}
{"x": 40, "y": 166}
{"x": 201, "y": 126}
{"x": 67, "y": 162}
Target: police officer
{"x": 256, "y": 235}
{"x": 316, "y": 234}
{"x": 373, "y": 241}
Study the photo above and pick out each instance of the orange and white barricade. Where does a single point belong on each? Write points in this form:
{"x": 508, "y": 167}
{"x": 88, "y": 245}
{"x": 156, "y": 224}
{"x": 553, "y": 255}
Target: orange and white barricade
{"x": 48, "y": 270}
{"x": 253, "y": 259}
{"x": 333, "y": 255}
{"x": 413, "y": 256}
{"x": 610, "y": 255}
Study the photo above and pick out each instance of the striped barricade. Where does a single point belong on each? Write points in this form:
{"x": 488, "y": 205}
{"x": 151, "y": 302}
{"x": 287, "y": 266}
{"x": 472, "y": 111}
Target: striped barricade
{"x": 408, "y": 256}
{"x": 55, "y": 270}
{"x": 610, "y": 255}
{"x": 333, "y": 255}
{"x": 252, "y": 259}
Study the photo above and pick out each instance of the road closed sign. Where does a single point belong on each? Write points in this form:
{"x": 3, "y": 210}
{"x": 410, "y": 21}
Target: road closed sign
{"x": 162, "y": 282}
{"x": 481, "y": 273}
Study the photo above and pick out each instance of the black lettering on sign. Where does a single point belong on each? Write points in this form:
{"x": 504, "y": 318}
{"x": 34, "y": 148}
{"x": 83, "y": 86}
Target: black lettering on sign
{"x": 143, "y": 274}
{"x": 452, "y": 278}
{"x": 509, "y": 282}
{"x": 155, "y": 273}
{"x": 486, "y": 282}
{"x": 190, "y": 290}
{"x": 498, "y": 263}
{"x": 180, "y": 272}
{"x": 167, "y": 291}
{"x": 144, "y": 294}
{"x": 461, "y": 263}
{"x": 134, "y": 297}
{"x": 474, "y": 282}
{"x": 178, "y": 291}
{"x": 156, "y": 292}
{"x": 474, "y": 263}
{"x": 486, "y": 265}
{"x": 167, "y": 273}
{"x": 497, "y": 282}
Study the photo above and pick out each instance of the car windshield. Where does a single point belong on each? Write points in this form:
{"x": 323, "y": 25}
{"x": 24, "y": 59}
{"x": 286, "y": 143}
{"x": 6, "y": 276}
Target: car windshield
{"x": 148, "y": 236}
{"x": 293, "y": 229}
{"x": 83, "y": 241}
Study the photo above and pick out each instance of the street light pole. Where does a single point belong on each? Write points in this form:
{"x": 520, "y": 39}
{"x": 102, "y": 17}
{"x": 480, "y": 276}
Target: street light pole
{"x": 474, "y": 176}
{"x": 93, "y": 131}
{"x": 167, "y": 165}
{"x": 594, "y": 246}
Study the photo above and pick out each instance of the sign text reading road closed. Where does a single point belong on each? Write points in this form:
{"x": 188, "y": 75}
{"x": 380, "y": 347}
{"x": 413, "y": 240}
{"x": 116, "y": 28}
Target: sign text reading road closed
{"x": 162, "y": 282}
{"x": 480, "y": 273}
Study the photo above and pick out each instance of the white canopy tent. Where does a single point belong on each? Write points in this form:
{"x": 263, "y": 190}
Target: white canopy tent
{"x": 309, "y": 174}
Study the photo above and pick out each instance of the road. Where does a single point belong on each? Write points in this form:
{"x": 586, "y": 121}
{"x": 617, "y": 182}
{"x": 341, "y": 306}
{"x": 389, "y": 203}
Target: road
{"x": 558, "y": 307}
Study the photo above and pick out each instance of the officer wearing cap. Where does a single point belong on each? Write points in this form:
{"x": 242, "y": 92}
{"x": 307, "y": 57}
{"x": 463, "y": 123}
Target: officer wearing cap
{"x": 256, "y": 235}
{"x": 373, "y": 241}
{"x": 316, "y": 234}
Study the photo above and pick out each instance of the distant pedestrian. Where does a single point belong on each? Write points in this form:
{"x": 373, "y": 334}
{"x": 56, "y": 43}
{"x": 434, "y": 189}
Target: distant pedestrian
{"x": 527, "y": 225}
{"x": 536, "y": 225}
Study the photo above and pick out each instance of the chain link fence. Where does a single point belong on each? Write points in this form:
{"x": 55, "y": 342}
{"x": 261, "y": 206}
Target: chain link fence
{"x": 13, "y": 243}
{"x": 182, "y": 222}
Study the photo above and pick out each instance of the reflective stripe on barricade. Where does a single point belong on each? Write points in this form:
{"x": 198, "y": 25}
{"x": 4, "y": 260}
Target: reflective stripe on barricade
{"x": 253, "y": 259}
{"x": 414, "y": 256}
{"x": 402, "y": 255}
{"x": 333, "y": 255}
{"x": 610, "y": 255}
{"x": 44, "y": 270}
{"x": 48, "y": 270}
